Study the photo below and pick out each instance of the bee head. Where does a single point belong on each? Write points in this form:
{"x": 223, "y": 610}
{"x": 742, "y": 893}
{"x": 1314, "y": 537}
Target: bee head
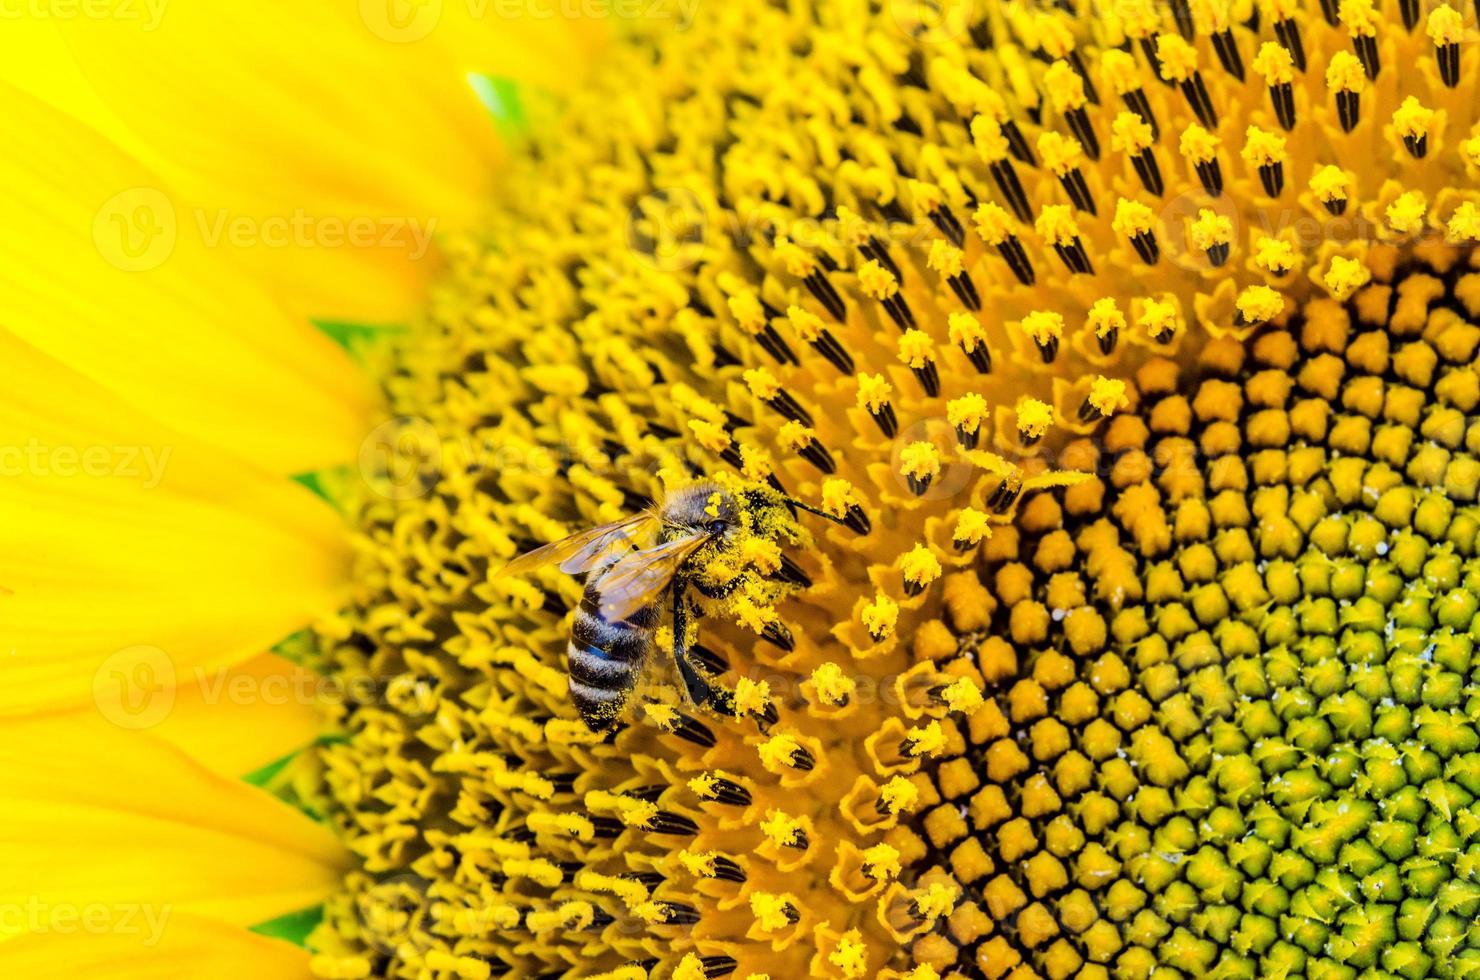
{"x": 704, "y": 508}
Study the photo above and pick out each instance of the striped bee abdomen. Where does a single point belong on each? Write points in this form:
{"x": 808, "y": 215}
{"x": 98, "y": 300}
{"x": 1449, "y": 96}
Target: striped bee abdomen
{"x": 604, "y": 659}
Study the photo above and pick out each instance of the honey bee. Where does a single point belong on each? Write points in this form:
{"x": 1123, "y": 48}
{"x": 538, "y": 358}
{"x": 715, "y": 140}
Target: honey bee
{"x": 615, "y": 628}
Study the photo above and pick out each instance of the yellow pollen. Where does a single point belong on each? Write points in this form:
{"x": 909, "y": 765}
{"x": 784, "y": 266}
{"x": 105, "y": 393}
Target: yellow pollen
{"x": 776, "y": 753}
{"x": 748, "y": 312}
{"x": 1412, "y": 120}
{"x": 1063, "y": 86}
{"x": 1158, "y": 318}
{"x": 919, "y": 566}
{"x": 770, "y": 911}
{"x": 945, "y": 258}
{"x": 1130, "y": 133}
{"x": 1359, "y": 17}
{"x": 879, "y": 616}
{"x": 1471, "y": 150}
{"x": 881, "y": 862}
{"x": 1263, "y": 148}
{"x": 1445, "y": 25}
{"x": 1060, "y": 153}
{"x": 1043, "y": 326}
{"x": 1344, "y": 73}
{"x": 831, "y": 684}
{"x": 1275, "y": 63}
{"x": 1033, "y": 417}
{"x": 993, "y": 224}
{"x": 691, "y": 967}
{"x": 873, "y": 392}
{"x": 762, "y": 383}
{"x": 850, "y": 956}
{"x": 780, "y": 829}
{"x": 1107, "y": 395}
{"x": 967, "y": 412}
{"x": 966, "y": 331}
{"x": 1210, "y": 229}
{"x": 1330, "y": 184}
{"x": 1056, "y": 225}
{"x": 920, "y": 460}
{"x": 971, "y": 527}
{"x": 1178, "y": 58}
{"x": 926, "y": 740}
{"x": 1120, "y": 71}
{"x": 1274, "y": 255}
{"x": 1198, "y": 145}
{"x": 1132, "y": 218}
{"x": 1464, "y": 224}
{"x": 937, "y": 900}
{"x": 755, "y": 464}
{"x": 962, "y": 695}
{"x": 837, "y": 496}
{"x": 796, "y": 261}
{"x": 711, "y": 435}
{"x": 877, "y": 281}
{"x": 916, "y": 349}
{"x": 752, "y": 697}
{"x": 1406, "y": 214}
{"x": 899, "y": 795}
{"x": 986, "y": 134}
{"x": 795, "y": 435}
{"x": 807, "y": 326}
{"x": 927, "y": 196}
{"x": 1345, "y": 276}
{"x": 1259, "y": 304}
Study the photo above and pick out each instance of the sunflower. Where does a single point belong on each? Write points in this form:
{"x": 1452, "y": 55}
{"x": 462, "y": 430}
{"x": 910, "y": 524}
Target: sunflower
{"x": 1119, "y": 361}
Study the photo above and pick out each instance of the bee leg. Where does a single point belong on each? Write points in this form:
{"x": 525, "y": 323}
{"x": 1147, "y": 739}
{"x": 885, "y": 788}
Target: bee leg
{"x": 697, "y": 688}
{"x": 720, "y": 591}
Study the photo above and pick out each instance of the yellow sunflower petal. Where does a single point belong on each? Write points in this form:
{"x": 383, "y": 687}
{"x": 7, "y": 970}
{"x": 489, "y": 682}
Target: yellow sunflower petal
{"x": 354, "y": 123}
{"x": 131, "y": 943}
{"x": 238, "y": 719}
{"x": 96, "y": 814}
{"x": 129, "y": 550}
{"x": 105, "y": 275}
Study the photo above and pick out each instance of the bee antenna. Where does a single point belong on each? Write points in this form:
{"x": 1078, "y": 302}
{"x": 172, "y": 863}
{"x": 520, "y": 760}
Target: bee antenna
{"x": 813, "y": 510}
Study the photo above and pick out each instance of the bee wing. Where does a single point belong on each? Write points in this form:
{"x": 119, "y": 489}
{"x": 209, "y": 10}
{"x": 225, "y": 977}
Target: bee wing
{"x": 638, "y": 579}
{"x": 583, "y": 550}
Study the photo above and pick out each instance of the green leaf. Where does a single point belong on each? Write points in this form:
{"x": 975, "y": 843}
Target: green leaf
{"x": 352, "y": 336}
{"x": 293, "y": 927}
{"x": 501, "y": 97}
{"x": 261, "y": 777}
